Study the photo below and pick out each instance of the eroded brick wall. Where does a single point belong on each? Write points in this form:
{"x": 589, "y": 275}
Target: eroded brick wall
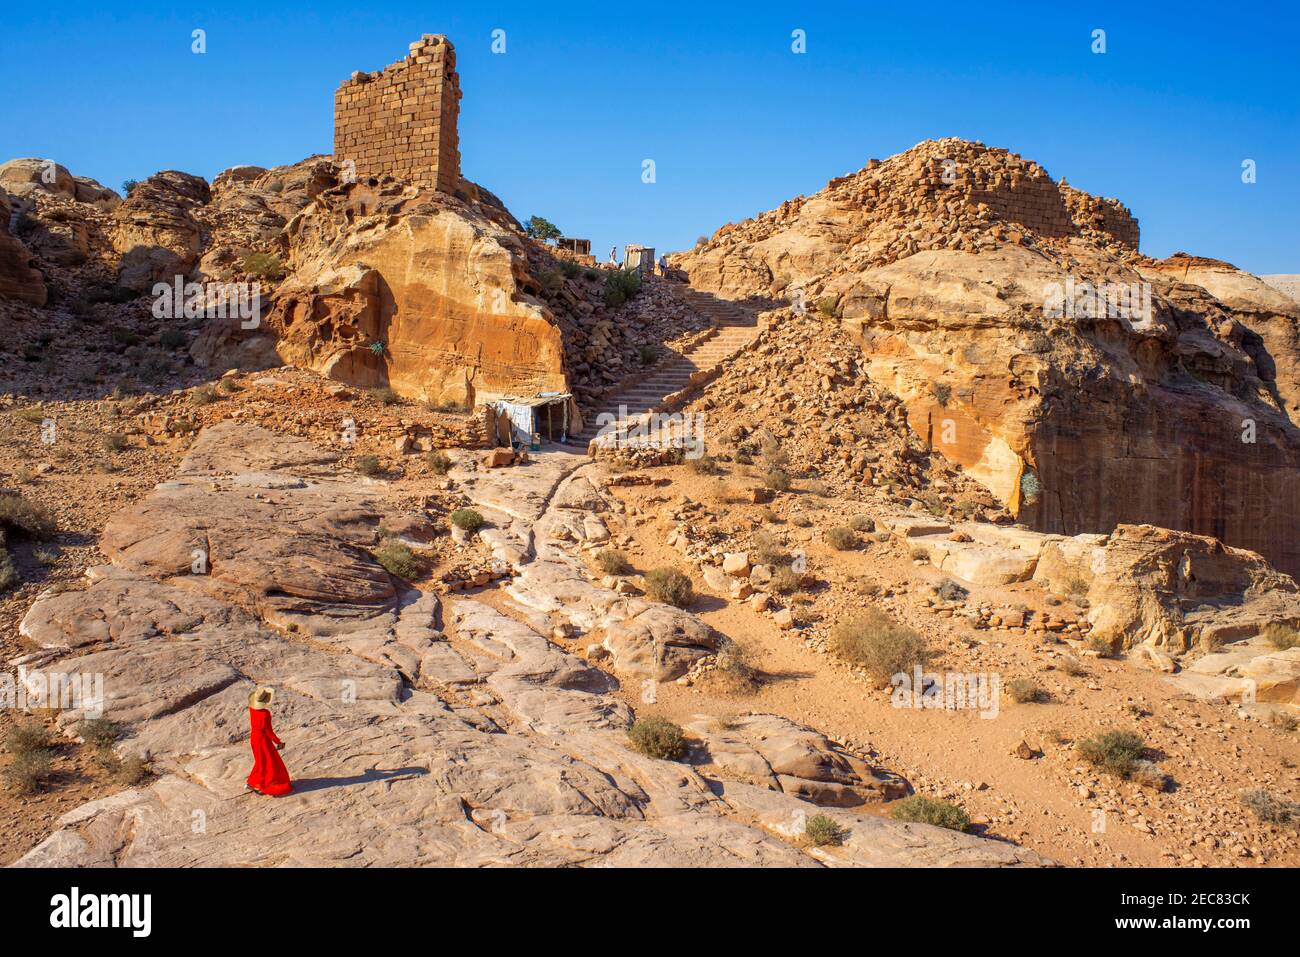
{"x": 1107, "y": 215}
{"x": 401, "y": 121}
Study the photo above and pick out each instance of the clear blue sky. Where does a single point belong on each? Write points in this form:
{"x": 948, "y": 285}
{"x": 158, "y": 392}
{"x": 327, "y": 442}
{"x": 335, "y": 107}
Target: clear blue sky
{"x": 560, "y": 124}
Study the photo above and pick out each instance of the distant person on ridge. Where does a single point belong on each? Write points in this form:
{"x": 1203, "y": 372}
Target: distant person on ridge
{"x": 613, "y": 255}
{"x": 269, "y": 775}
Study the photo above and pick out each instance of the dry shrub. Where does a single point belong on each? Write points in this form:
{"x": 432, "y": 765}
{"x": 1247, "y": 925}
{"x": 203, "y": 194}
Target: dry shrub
{"x": 842, "y": 539}
{"x": 787, "y": 581}
{"x": 670, "y": 586}
{"x": 399, "y": 560}
{"x": 1026, "y": 691}
{"x": 924, "y": 810}
{"x": 879, "y": 644}
{"x": 1115, "y": 752}
{"x": 735, "y": 672}
{"x": 1272, "y": 809}
{"x": 658, "y": 737}
{"x": 1280, "y": 635}
{"x": 613, "y": 562}
{"x": 821, "y": 830}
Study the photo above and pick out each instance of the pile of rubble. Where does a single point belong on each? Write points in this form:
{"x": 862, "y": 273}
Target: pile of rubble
{"x": 941, "y": 194}
{"x": 801, "y": 395}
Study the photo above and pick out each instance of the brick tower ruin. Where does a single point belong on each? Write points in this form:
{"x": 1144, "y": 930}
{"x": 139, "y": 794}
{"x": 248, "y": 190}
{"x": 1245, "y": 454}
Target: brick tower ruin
{"x": 401, "y": 121}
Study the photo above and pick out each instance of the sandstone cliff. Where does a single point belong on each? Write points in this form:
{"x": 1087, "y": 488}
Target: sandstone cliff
{"x": 393, "y": 286}
{"x": 1079, "y": 381}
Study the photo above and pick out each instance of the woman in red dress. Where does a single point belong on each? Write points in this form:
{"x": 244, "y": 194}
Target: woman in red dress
{"x": 269, "y": 776}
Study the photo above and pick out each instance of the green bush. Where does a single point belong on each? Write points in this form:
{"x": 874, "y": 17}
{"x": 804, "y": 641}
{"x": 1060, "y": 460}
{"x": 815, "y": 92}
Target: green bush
{"x": 467, "y": 520}
{"x": 438, "y": 462}
{"x": 399, "y": 560}
{"x": 822, "y": 830}
{"x": 923, "y": 810}
{"x": 542, "y": 229}
{"x": 23, "y": 515}
{"x": 613, "y": 562}
{"x": 669, "y": 586}
{"x": 171, "y": 338}
{"x": 842, "y": 539}
{"x": 1115, "y": 752}
{"x": 113, "y": 442}
{"x": 648, "y": 354}
{"x": 368, "y": 465}
{"x": 264, "y": 266}
{"x": 1030, "y": 489}
{"x": 620, "y": 286}
{"x": 875, "y": 642}
{"x": 658, "y": 737}
{"x": 942, "y": 392}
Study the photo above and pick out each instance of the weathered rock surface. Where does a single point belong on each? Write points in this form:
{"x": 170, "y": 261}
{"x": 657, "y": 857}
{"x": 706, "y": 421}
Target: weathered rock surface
{"x": 420, "y": 291}
{"x": 774, "y": 752}
{"x": 496, "y": 747}
{"x": 1269, "y": 316}
{"x": 546, "y": 511}
{"x": 1079, "y": 415}
{"x": 156, "y": 229}
{"x": 1168, "y": 589}
{"x": 18, "y": 279}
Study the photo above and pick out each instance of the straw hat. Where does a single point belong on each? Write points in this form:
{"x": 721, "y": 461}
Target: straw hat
{"x": 260, "y": 698}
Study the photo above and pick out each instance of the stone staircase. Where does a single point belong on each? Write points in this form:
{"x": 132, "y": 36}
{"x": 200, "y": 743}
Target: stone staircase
{"x": 733, "y": 327}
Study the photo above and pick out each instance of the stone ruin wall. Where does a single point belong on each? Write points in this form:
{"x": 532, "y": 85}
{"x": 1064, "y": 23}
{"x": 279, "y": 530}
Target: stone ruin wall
{"x": 401, "y": 121}
{"x": 1109, "y": 215}
{"x": 1057, "y": 210}
{"x": 1033, "y": 201}
{"x": 1017, "y": 191}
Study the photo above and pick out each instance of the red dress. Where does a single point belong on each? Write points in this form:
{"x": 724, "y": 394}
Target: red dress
{"x": 269, "y": 776}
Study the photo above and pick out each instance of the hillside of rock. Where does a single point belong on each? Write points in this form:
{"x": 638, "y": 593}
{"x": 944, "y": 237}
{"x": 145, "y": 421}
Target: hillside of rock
{"x": 950, "y": 264}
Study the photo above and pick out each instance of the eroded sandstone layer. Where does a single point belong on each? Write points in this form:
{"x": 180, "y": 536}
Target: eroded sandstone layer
{"x": 1084, "y": 384}
{"x": 397, "y": 286}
